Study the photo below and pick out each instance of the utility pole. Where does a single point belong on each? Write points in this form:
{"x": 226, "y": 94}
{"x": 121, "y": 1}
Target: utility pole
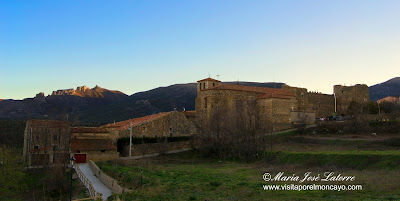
{"x": 130, "y": 139}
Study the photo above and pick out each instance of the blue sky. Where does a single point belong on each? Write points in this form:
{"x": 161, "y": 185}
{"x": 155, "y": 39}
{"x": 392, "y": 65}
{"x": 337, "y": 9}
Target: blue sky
{"x": 135, "y": 46}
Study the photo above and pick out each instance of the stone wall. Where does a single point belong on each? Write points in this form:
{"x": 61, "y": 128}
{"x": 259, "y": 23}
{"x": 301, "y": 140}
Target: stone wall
{"x": 346, "y": 94}
{"x": 274, "y": 114}
{"x": 322, "y": 104}
{"x": 302, "y": 99}
{"x": 45, "y": 138}
{"x": 156, "y": 148}
{"x": 107, "y": 180}
{"x": 172, "y": 125}
{"x": 101, "y": 156}
{"x": 299, "y": 117}
{"x": 226, "y": 110}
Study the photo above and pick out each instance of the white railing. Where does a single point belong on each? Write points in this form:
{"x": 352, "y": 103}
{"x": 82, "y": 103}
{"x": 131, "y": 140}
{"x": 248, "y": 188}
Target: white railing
{"x": 92, "y": 193}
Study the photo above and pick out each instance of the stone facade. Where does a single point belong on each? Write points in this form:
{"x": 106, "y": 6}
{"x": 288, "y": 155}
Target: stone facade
{"x": 46, "y": 142}
{"x": 346, "y": 94}
{"x": 92, "y": 143}
{"x": 157, "y": 148}
{"x": 323, "y": 105}
{"x": 167, "y": 124}
{"x": 258, "y": 109}
{"x": 242, "y": 108}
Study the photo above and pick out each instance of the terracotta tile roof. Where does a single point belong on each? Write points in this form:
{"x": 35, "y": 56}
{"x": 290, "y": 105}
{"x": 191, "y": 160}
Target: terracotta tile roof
{"x": 274, "y": 96}
{"x": 209, "y": 79}
{"x": 92, "y": 145}
{"x": 48, "y": 123}
{"x": 265, "y": 90}
{"x": 191, "y": 113}
{"x": 123, "y": 125}
{"x": 88, "y": 130}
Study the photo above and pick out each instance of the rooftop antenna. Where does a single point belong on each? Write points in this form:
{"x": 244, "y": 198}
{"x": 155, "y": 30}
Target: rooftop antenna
{"x": 209, "y": 75}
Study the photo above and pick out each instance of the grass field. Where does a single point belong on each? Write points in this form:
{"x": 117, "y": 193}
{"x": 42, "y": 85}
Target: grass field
{"x": 187, "y": 176}
{"x": 374, "y": 161}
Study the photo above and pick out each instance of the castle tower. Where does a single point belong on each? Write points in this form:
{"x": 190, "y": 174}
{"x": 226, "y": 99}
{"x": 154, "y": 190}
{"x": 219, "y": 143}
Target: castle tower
{"x": 346, "y": 94}
{"x": 207, "y": 83}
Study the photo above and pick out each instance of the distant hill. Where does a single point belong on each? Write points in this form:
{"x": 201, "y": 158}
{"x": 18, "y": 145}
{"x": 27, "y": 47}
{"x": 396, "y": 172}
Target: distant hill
{"x": 99, "y": 105}
{"x": 382, "y": 90}
{"x": 68, "y": 101}
{"x": 161, "y": 99}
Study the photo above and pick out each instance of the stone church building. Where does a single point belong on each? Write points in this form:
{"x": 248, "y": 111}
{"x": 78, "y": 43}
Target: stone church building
{"x": 263, "y": 110}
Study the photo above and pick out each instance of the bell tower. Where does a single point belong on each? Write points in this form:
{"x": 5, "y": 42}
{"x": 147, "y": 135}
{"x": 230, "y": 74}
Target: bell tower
{"x": 207, "y": 83}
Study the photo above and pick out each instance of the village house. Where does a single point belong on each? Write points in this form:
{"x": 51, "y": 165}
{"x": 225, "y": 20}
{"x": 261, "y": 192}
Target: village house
{"x": 165, "y": 124}
{"x": 92, "y": 143}
{"x": 160, "y": 127}
{"x": 46, "y": 142}
{"x": 49, "y": 142}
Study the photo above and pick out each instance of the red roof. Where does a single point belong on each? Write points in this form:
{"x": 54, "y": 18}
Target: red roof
{"x": 92, "y": 145}
{"x": 48, "y": 123}
{"x": 209, "y": 79}
{"x": 88, "y": 130}
{"x": 123, "y": 125}
{"x": 265, "y": 90}
{"x": 191, "y": 113}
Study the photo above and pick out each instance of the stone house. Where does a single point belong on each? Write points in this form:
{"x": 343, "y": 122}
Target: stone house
{"x": 46, "y": 142}
{"x": 165, "y": 124}
{"x": 92, "y": 143}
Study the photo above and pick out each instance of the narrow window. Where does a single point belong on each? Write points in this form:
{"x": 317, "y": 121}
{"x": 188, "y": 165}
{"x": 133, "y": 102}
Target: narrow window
{"x": 55, "y": 148}
{"x": 205, "y": 102}
{"x": 55, "y": 137}
{"x": 36, "y": 147}
{"x": 102, "y": 151}
{"x": 213, "y": 84}
{"x": 143, "y": 129}
{"x": 204, "y": 85}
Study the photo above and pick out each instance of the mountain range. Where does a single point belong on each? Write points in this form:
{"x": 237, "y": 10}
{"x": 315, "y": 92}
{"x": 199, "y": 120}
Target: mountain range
{"x": 99, "y": 105}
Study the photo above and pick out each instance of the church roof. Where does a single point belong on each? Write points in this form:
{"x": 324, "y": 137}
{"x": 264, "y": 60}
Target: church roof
{"x": 265, "y": 90}
{"x": 191, "y": 113}
{"x": 209, "y": 79}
